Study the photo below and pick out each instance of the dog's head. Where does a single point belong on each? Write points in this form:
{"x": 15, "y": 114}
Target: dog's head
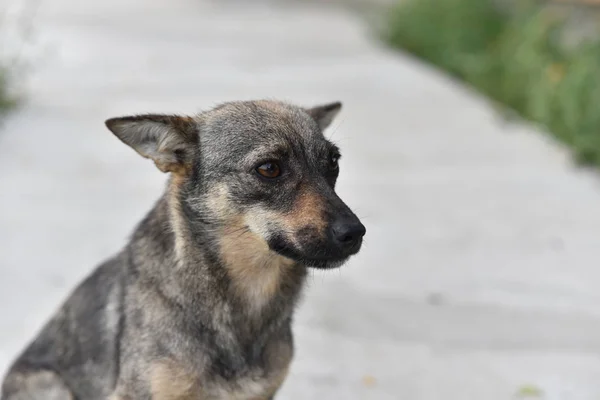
{"x": 262, "y": 166}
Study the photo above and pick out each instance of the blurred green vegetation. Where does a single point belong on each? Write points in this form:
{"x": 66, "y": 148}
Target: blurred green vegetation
{"x": 7, "y": 101}
{"x": 517, "y": 56}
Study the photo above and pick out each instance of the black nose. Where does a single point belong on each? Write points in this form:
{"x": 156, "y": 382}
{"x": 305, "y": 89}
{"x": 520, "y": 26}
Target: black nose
{"x": 348, "y": 232}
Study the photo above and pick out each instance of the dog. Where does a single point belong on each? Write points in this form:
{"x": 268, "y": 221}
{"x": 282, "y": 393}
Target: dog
{"x": 199, "y": 304}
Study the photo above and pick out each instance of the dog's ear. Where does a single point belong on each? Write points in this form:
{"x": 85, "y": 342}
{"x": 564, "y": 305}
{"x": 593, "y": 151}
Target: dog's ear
{"x": 169, "y": 140}
{"x": 325, "y": 114}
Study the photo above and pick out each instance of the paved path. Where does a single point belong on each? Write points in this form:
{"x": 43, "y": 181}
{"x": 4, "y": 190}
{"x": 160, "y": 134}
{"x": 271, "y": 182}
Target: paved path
{"x": 480, "y": 275}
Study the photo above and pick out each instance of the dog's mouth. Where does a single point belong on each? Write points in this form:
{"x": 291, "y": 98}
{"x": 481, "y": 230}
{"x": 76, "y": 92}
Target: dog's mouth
{"x": 322, "y": 256}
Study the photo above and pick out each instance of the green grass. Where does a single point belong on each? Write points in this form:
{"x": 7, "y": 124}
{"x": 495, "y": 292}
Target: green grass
{"x": 518, "y": 58}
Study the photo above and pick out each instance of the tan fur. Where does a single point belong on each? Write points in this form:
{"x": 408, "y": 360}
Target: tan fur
{"x": 177, "y": 219}
{"x": 218, "y": 201}
{"x": 280, "y": 357}
{"x": 307, "y": 211}
{"x": 175, "y": 168}
{"x": 277, "y": 381}
{"x": 255, "y": 270}
{"x": 169, "y": 381}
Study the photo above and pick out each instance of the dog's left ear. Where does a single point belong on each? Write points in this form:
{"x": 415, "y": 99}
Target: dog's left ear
{"x": 325, "y": 114}
{"x": 169, "y": 140}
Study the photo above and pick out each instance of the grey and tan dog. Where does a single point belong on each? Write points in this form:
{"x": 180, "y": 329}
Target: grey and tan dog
{"x": 199, "y": 304}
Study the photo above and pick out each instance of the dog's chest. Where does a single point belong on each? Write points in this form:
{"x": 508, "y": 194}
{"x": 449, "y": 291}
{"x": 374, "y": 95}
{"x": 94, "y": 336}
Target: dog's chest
{"x": 259, "y": 381}
{"x": 172, "y": 381}
{"x": 254, "y": 386}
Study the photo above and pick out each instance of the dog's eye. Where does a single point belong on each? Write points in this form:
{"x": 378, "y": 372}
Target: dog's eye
{"x": 269, "y": 169}
{"x": 333, "y": 161}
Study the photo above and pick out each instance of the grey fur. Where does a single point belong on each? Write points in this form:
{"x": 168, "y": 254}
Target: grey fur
{"x": 199, "y": 304}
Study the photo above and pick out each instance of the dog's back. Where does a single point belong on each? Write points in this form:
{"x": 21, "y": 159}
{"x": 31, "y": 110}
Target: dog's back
{"x": 76, "y": 354}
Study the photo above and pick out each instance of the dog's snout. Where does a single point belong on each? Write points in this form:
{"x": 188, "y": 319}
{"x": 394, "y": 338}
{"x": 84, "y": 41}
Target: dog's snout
{"x": 348, "y": 232}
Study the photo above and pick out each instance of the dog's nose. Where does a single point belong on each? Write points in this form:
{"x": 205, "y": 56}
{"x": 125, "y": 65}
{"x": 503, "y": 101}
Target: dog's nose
{"x": 348, "y": 232}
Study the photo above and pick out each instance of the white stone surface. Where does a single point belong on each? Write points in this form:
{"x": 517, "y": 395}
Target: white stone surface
{"x": 479, "y": 274}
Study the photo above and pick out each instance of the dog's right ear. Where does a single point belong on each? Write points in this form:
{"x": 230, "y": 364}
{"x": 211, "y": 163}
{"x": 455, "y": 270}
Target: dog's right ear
{"x": 169, "y": 140}
{"x": 325, "y": 114}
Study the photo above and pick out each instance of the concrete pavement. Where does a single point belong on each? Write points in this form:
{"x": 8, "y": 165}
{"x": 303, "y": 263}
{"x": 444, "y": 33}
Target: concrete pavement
{"x": 478, "y": 279}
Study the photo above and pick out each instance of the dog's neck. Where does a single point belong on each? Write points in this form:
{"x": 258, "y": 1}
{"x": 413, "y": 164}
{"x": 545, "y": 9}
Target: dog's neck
{"x": 226, "y": 272}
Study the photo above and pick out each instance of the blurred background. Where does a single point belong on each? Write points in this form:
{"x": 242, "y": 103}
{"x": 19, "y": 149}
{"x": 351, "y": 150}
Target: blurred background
{"x": 470, "y": 134}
